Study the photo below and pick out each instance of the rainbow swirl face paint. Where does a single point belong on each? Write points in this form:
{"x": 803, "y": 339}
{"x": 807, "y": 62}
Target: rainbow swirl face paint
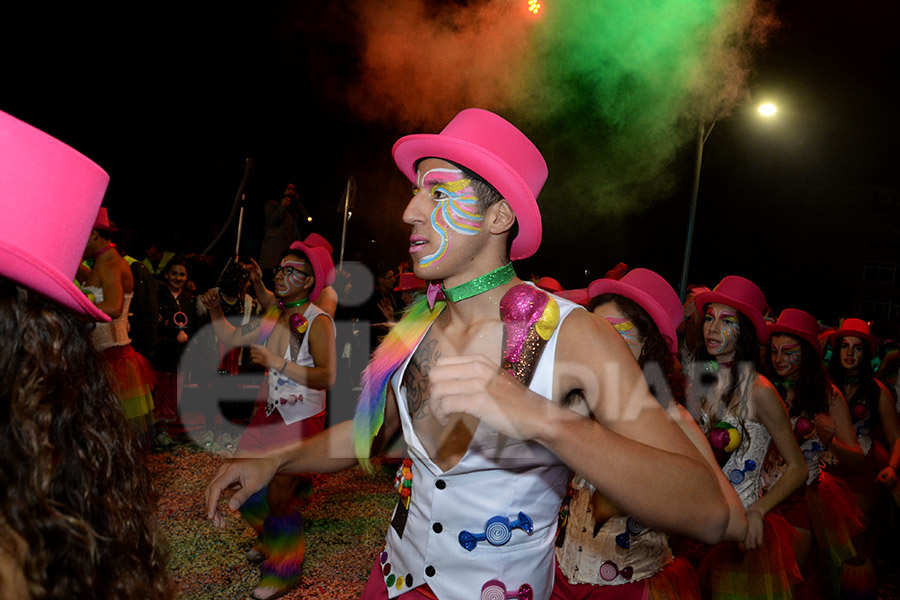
{"x": 293, "y": 278}
{"x": 721, "y": 328}
{"x": 786, "y": 355}
{"x": 456, "y": 209}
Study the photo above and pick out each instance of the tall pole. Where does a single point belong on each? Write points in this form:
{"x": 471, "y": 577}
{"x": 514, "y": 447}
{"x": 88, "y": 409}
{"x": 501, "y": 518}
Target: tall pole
{"x": 346, "y": 216}
{"x": 702, "y": 134}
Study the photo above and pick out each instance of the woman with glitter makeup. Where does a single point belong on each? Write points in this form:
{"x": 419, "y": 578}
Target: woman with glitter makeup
{"x": 645, "y": 311}
{"x": 823, "y": 511}
{"x": 874, "y": 418}
{"x": 742, "y": 414}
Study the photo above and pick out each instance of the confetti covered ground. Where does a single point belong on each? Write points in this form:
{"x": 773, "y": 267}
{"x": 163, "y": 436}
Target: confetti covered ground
{"x": 345, "y": 521}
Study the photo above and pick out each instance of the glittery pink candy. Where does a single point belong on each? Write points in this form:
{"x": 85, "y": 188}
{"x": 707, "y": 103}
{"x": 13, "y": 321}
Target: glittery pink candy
{"x": 520, "y": 308}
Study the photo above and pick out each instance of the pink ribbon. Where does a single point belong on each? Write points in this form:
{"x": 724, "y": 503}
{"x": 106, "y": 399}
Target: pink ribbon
{"x": 435, "y": 292}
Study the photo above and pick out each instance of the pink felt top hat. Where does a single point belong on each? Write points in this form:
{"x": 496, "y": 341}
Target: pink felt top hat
{"x": 800, "y": 324}
{"x": 548, "y": 284}
{"x": 320, "y": 258}
{"x": 742, "y": 295}
{"x": 49, "y": 198}
{"x": 103, "y": 223}
{"x": 854, "y": 327}
{"x": 408, "y": 281}
{"x": 492, "y": 147}
{"x": 652, "y": 293}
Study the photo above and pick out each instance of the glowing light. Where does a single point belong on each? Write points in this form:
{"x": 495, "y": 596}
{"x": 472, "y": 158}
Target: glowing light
{"x": 534, "y": 7}
{"x": 767, "y": 110}
{"x": 309, "y": 219}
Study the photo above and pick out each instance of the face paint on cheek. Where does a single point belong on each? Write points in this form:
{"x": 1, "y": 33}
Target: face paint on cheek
{"x": 457, "y": 209}
{"x": 730, "y": 330}
{"x": 626, "y": 329}
{"x": 295, "y": 281}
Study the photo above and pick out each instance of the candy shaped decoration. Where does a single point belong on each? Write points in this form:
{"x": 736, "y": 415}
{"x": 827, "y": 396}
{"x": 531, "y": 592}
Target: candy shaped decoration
{"x": 737, "y": 475}
{"x": 719, "y": 438}
{"x": 497, "y": 531}
{"x": 299, "y": 324}
{"x": 530, "y": 316}
{"x": 859, "y": 411}
{"x": 496, "y": 590}
{"x": 724, "y": 439}
{"x": 804, "y": 428}
{"x": 632, "y": 528}
{"x": 180, "y": 320}
{"x": 403, "y": 481}
{"x": 610, "y": 570}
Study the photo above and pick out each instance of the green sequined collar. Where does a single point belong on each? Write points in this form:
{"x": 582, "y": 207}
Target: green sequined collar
{"x": 479, "y": 285}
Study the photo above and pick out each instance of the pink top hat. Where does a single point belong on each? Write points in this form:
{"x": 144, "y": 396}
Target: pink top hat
{"x": 320, "y": 259}
{"x": 742, "y": 295}
{"x": 102, "y": 223}
{"x": 548, "y": 284}
{"x": 578, "y": 296}
{"x": 314, "y": 239}
{"x": 492, "y": 147}
{"x": 800, "y": 324}
{"x": 854, "y": 327}
{"x": 652, "y": 293}
{"x": 408, "y": 282}
{"x": 49, "y": 198}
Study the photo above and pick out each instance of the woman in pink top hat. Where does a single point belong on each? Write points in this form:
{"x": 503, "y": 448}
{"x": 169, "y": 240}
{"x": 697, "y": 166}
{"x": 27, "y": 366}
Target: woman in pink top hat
{"x": 645, "y": 310}
{"x": 743, "y": 414}
{"x": 76, "y": 515}
{"x": 875, "y": 420}
{"x": 823, "y": 511}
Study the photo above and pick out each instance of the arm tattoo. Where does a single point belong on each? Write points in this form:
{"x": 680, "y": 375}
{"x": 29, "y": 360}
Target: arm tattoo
{"x": 415, "y": 380}
{"x": 251, "y": 326}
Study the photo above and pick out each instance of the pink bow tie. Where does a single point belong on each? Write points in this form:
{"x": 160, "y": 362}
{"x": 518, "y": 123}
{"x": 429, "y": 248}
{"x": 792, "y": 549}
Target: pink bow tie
{"x": 435, "y": 292}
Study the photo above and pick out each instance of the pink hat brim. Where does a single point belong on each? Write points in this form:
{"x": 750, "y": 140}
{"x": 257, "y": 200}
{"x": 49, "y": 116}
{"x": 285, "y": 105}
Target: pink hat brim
{"x": 756, "y": 317}
{"x": 650, "y": 304}
{"x": 410, "y": 149}
{"x": 775, "y": 328}
{"x": 42, "y": 277}
{"x": 323, "y": 268}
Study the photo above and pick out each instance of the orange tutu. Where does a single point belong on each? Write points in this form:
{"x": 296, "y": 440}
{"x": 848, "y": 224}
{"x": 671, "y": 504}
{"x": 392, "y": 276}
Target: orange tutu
{"x": 767, "y": 572}
{"x": 133, "y": 379}
{"x": 835, "y": 517}
{"x": 678, "y": 581}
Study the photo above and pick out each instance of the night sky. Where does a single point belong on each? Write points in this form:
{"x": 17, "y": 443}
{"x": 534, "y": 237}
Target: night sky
{"x": 172, "y": 99}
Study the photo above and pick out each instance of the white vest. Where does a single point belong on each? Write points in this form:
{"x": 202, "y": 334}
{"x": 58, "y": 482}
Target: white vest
{"x": 498, "y": 476}
{"x": 114, "y": 333}
{"x": 293, "y": 401}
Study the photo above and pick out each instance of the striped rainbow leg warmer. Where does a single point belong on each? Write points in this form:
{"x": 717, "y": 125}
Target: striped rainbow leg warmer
{"x": 256, "y": 509}
{"x": 284, "y": 545}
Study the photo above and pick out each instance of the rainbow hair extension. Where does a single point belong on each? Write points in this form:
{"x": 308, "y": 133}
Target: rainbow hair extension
{"x": 393, "y": 350}
{"x": 285, "y": 545}
{"x": 268, "y": 323}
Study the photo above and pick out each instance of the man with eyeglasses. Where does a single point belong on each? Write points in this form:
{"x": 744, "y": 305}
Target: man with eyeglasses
{"x": 295, "y": 342}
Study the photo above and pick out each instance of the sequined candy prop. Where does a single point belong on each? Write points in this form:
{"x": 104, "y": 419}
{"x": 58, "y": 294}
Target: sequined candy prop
{"x": 724, "y": 439}
{"x": 403, "y": 481}
{"x": 530, "y": 316}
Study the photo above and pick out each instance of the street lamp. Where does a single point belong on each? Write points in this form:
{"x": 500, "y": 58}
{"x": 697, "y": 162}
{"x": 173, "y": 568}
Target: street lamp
{"x": 767, "y": 110}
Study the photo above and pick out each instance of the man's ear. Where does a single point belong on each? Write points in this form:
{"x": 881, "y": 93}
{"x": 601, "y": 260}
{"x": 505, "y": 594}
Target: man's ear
{"x": 500, "y": 217}
{"x": 310, "y": 282}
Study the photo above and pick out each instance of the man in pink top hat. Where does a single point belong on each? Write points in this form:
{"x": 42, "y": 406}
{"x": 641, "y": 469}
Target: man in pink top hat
{"x": 490, "y": 447}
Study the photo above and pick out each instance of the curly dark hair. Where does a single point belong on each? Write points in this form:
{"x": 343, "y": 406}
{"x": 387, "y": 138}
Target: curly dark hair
{"x": 811, "y": 393}
{"x": 746, "y": 359}
{"x": 74, "y": 485}
{"x": 655, "y": 352}
{"x": 868, "y": 392}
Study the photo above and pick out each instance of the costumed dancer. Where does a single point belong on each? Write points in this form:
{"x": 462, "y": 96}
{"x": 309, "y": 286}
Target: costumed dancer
{"x": 735, "y": 400}
{"x": 489, "y": 455}
{"x": 823, "y": 512}
{"x": 110, "y": 283}
{"x": 77, "y": 517}
{"x": 874, "y": 418}
{"x": 295, "y": 341}
{"x": 594, "y": 535}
